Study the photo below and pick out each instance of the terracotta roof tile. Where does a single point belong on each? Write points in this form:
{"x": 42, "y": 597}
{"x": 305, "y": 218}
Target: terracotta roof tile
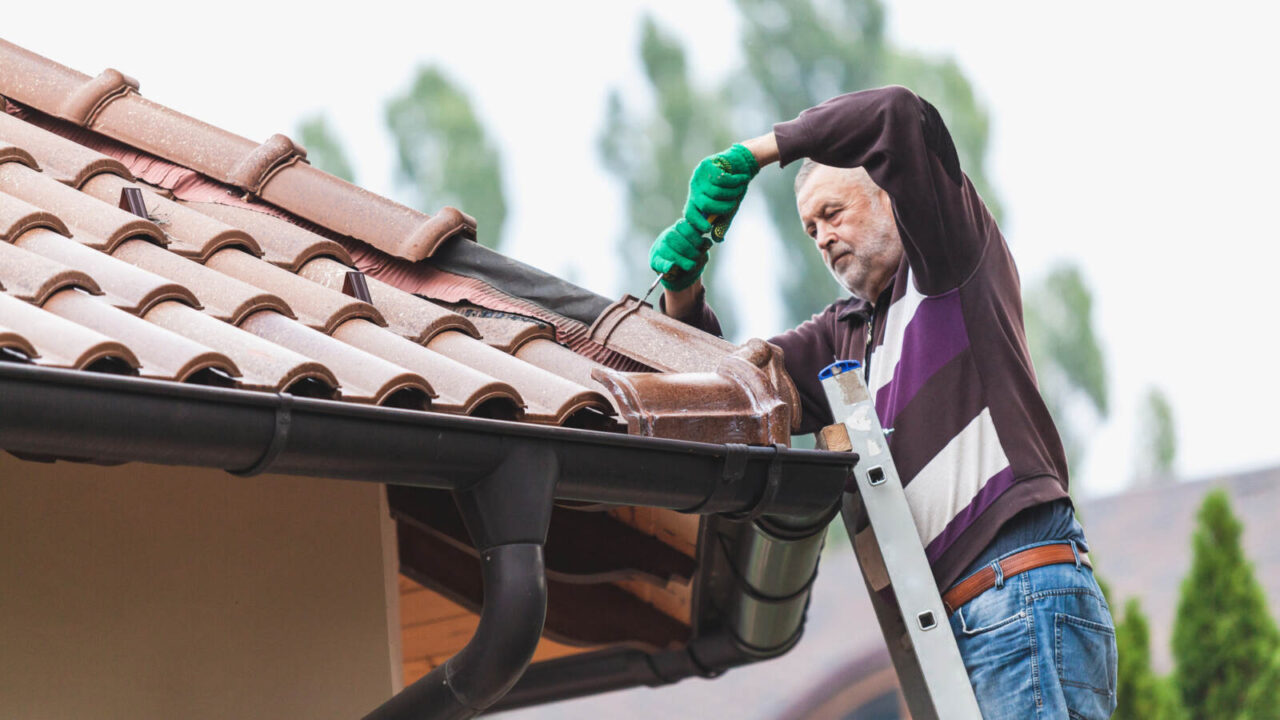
{"x": 35, "y": 278}
{"x": 108, "y": 224}
{"x": 12, "y": 342}
{"x": 409, "y": 315}
{"x": 273, "y": 170}
{"x": 551, "y": 399}
{"x": 127, "y": 286}
{"x": 63, "y": 344}
{"x": 462, "y": 389}
{"x": 163, "y": 355}
{"x": 362, "y": 377}
{"x": 191, "y": 234}
{"x": 17, "y": 217}
{"x": 560, "y": 360}
{"x": 263, "y": 364}
{"x": 12, "y": 153}
{"x": 317, "y": 306}
{"x": 505, "y": 331}
{"x": 284, "y": 243}
{"x": 67, "y": 162}
{"x": 222, "y": 296}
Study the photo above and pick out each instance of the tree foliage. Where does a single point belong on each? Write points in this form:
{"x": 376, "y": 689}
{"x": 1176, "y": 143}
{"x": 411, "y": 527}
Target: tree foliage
{"x": 324, "y": 150}
{"x": 1058, "y": 314}
{"x": 1140, "y": 693}
{"x": 445, "y": 155}
{"x": 1157, "y": 437}
{"x": 1224, "y": 638}
{"x": 654, "y": 153}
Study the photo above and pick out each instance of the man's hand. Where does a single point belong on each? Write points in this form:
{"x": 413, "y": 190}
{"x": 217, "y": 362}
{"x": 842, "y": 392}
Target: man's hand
{"x": 716, "y": 190}
{"x": 679, "y": 255}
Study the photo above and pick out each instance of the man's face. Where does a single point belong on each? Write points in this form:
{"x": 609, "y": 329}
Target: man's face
{"x": 852, "y": 223}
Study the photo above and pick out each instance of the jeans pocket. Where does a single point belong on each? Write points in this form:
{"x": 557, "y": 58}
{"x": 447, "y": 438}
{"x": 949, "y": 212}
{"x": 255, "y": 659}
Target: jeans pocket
{"x": 992, "y": 610}
{"x": 1085, "y": 654}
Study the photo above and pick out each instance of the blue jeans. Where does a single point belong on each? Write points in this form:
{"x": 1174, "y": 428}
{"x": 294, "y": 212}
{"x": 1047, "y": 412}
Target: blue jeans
{"x": 1040, "y": 644}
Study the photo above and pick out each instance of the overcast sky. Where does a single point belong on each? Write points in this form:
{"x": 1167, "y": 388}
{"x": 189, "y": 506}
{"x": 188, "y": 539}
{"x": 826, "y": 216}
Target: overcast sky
{"x": 1134, "y": 138}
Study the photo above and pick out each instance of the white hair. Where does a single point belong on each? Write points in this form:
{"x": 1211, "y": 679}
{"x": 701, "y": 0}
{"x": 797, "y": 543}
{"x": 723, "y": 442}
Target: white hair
{"x": 857, "y": 174}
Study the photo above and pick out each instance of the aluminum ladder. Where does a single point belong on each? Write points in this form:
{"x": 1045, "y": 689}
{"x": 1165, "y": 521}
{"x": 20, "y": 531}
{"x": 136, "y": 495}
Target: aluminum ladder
{"x": 894, "y": 567}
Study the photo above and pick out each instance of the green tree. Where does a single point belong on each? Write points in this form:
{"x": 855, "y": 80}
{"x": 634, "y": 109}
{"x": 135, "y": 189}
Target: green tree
{"x": 445, "y": 155}
{"x": 1058, "y": 314}
{"x": 654, "y": 153}
{"x": 1263, "y": 699}
{"x": 1224, "y": 638}
{"x": 323, "y": 147}
{"x": 802, "y": 52}
{"x": 1140, "y": 694}
{"x": 1157, "y": 437}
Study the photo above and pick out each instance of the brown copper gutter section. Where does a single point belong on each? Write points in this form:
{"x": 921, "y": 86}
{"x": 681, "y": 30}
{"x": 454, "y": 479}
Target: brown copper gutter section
{"x": 740, "y": 402}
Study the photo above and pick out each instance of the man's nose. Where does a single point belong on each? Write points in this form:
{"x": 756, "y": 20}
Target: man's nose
{"x": 824, "y": 237}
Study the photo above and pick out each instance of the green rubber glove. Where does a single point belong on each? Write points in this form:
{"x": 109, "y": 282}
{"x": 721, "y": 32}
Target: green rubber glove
{"x": 679, "y": 254}
{"x": 716, "y": 190}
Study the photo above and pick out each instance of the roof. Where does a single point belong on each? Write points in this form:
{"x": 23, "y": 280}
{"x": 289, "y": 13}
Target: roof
{"x": 136, "y": 240}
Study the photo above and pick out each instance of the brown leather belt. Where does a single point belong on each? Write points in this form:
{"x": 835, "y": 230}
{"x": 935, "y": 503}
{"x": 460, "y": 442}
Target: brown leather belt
{"x": 985, "y": 579}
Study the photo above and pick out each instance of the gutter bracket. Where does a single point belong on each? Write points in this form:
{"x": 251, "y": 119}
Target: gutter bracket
{"x": 279, "y": 438}
{"x": 507, "y": 513}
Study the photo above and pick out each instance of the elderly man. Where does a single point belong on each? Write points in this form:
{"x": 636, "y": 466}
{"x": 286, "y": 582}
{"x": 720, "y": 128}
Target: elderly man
{"x": 935, "y": 314}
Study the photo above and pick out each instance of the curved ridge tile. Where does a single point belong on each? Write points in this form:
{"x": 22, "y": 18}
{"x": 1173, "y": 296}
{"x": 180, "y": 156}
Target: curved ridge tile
{"x": 36, "y": 278}
{"x": 60, "y": 342}
{"x": 263, "y": 365}
{"x": 347, "y": 209}
{"x": 461, "y": 389}
{"x": 550, "y": 398}
{"x": 191, "y": 234}
{"x": 283, "y": 243}
{"x": 66, "y": 161}
{"x": 409, "y": 315}
{"x": 35, "y": 80}
{"x": 14, "y": 154}
{"x": 107, "y": 223}
{"x": 363, "y": 377}
{"x": 317, "y": 306}
{"x": 111, "y": 105}
{"x": 159, "y": 130}
{"x": 128, "y": 287}
{"x": 253, "y": 170}
{"x": 84, "y": 103}
{"x": 17, "y": 217}
{"x": 222, "y": 296}
{"x": 163, "y": 355}
{"x": 645, "y": 335}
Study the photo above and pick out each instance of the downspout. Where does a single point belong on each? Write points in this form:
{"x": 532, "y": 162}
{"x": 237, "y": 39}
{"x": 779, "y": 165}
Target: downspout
{"x": 507, "y": 514}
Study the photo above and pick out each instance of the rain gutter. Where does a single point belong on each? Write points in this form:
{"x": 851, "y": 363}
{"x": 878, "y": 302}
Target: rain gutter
{"x": 504, "y": 477}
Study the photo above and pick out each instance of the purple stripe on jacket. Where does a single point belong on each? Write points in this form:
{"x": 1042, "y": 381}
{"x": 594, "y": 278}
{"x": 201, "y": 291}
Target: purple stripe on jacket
{"x": 987, "y": 494}
{"x": 933, "y": 336}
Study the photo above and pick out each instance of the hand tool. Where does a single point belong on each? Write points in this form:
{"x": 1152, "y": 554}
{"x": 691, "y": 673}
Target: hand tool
{"x": 718, "y": 230}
